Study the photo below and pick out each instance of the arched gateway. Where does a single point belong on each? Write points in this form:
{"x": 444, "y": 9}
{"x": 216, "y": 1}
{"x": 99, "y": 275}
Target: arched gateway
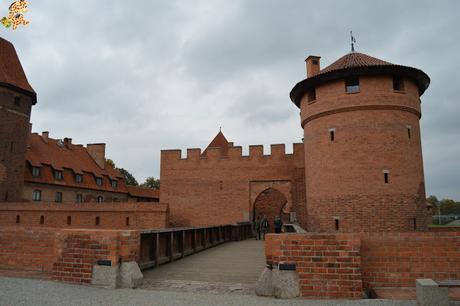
{"x": 271, "y": 203}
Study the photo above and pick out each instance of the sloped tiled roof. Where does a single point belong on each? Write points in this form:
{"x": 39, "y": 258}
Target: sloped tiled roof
{"x": 354, "y": 59}
{"x": 61, "y": 156}
{"x": 142, "y": 192}
{"x": 11, "y": 72}
{"x": 218, "y": 142}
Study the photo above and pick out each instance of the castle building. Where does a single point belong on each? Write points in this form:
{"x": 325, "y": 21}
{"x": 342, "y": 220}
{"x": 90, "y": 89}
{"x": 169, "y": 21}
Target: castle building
{"x": 359, "y": 168}
{"x": 62, "y": 172}
{"x": 16, "y": 100}
{"x": 41, "y": 169}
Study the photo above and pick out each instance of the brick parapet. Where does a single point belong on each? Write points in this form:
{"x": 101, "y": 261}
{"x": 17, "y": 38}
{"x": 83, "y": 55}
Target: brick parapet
{"x": 111, "y": 215}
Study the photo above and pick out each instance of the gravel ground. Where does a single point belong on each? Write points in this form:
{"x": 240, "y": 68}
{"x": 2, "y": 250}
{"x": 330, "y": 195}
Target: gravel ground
{"x": 15, "y": 292}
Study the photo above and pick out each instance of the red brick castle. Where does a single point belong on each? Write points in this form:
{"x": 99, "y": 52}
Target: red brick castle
{"x": 360, "y": 167}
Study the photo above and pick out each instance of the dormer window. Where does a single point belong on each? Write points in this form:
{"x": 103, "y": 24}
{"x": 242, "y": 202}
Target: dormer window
{"x": 78, "y": 178}
{"x": 35, "y": 171}
{"x": 114, "y": 184}
{"x": 58, "y": 175}
{"x": 99, "y": 181}
{"x": 352, "y": 85}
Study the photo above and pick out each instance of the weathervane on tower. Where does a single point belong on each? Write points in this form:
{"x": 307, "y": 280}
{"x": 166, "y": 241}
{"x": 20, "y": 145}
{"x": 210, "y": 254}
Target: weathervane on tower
{"x": 353, "y": 41}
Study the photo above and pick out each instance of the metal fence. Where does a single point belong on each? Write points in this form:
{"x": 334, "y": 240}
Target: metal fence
{"x": 166, "y": 245}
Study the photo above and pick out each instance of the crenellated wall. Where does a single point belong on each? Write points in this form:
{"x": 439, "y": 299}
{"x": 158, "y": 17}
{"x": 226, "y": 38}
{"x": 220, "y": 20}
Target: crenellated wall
{"x": 213, "y": 189}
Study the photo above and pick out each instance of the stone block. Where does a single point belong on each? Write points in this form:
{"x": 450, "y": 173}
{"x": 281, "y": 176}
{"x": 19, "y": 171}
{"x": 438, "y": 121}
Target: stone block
{"x": 285, "y": 284}
{"x": 430, "y": 294}
{"x": 105, "y": 276}
{"x": 264, "y": 286}
{"x": 130, "y": 275}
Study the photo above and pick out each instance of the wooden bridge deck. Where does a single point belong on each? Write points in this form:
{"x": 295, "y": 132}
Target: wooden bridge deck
{"x": 233, "y": 266}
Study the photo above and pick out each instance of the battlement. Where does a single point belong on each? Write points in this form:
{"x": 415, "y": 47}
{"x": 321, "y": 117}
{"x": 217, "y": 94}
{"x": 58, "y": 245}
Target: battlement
{"x": 278, "y": 151}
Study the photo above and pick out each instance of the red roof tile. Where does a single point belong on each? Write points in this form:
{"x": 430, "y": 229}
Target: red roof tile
{"x": 61, "y": 156}
{"x": 354, "y": 59}
{"x": 11, "y": 72}
{"x": 142, "y": 192}
{"x": 218, "y": 142}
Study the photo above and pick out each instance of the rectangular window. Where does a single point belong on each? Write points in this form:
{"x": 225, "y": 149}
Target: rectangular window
{"x": 100, "y": 199}
{"x": 69, "y": 220}
{"x": 35, "y": 171}
{"x": 98, "y": 220}
{"x": 58, "y": 175}
{"x": 114, "y": 184}
{"x": 386, "y": 176}
{"x": 332, "y": 134}
{"x": 127, "y": 221}
{"x": 409, "y": 130}
{"x": 18, "y": 219}
{"x": 352, "y": 85}
{"x": 312, "y": 95}
{"x": 36, "y": 195}
{"x": 99, "y": 181}
{"x": 79, "y": 198}
{"x": 78, "y": 178}
{"x": 337, "y": 224}
{"x": 398, "y": 83}
{"x": 42, "y": 219}
{"x": 58, "y": 197}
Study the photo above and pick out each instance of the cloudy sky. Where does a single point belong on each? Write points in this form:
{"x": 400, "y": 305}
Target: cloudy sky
{"x": 143, "y": 75}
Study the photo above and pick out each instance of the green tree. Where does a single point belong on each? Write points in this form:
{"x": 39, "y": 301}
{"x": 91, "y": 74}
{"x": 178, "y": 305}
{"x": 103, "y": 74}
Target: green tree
{"x": 110, "y": 162}
{"x": 129, "y": 178}
{"x": 151, "y": 182}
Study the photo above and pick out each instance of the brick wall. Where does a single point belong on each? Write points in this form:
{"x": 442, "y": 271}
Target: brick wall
{"x": 14, "y": 132}
{"x": 341, "y": 265}
{"x": 67, "y": 254}
{"x": 328, "y": 265}
{"x": 80, "y": 250}
{"x": 397, "y": 259}
{"x": 84, "y": 215}
{"x": 344, "y": 176}
{"x": 218, "y": 190}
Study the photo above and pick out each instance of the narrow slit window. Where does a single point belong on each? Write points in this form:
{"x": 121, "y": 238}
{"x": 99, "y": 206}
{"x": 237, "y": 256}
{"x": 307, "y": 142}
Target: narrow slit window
{"x": 386, "y": 176}
{"x": 352, "y": 85}
{"x": 69, "y": 220}
{"x": 409, "y": 131}
{"x": 337, "y": 224}
{"x": 18, "y": 219}
{"x": 42, "y": 219}
{"x": 127, "y": 221}
{"x": 332, "y": 134}
{"x": 398, "y": 83}
{"x": 98, "y": 220}
{"x": 312, "y": 95}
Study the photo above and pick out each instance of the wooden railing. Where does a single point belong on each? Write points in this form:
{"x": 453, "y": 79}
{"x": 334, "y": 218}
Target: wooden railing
{"x": 166, "y": 245}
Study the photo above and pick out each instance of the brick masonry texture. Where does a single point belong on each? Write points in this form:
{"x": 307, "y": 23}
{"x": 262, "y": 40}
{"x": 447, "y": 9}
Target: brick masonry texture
{"x": 216, "y": 189}
{"x": 68, "y": 255}
{"x": 345, "y": 176}
{"x": 83, "y": 215}
{"x": 328, "y": 264}
{"x": 14, "y": 130}
{"x": 342, "y": 265}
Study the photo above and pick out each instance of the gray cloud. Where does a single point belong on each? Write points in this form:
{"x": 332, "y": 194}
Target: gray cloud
{"x": 166, "y": 74}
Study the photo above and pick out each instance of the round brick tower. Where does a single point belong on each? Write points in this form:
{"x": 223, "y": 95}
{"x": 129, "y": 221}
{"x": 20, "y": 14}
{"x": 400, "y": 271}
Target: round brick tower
{"x": 16, "y": 100}
{"x": 363, "y": 155}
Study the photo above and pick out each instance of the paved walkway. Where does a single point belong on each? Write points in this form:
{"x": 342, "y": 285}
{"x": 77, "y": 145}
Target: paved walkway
{"x": 25, "y": 292}
{"x": 233, "y": 267}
